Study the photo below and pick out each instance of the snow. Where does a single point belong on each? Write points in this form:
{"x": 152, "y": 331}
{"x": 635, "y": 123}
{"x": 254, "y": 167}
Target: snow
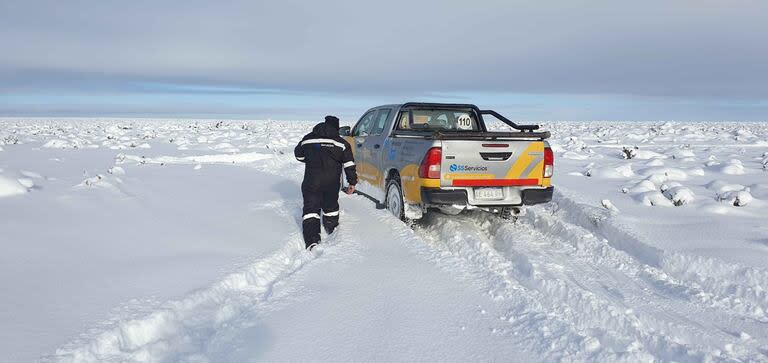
{"x": 180, "y": 240}
{"x": 10, "y": 187}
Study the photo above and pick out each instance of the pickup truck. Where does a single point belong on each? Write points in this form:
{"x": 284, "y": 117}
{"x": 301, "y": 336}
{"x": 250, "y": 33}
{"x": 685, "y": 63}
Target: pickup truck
{"x": 414, "y": 157}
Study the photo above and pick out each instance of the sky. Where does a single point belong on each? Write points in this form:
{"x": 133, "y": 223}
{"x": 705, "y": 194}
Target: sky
{"x": 531, "y": 60}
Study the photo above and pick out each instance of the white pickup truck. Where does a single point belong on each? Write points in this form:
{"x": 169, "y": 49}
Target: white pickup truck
{"x": 416, "y": 156}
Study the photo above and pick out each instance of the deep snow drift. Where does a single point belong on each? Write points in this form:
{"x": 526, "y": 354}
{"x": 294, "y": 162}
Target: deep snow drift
{"x": 179, "y": 240}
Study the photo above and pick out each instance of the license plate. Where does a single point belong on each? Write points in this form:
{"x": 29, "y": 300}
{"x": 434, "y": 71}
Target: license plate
{"x": 489, "y": 193}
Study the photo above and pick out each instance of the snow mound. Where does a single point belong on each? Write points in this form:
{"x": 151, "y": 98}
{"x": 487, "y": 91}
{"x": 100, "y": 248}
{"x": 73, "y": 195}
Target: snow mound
{"x": 684, "y": 155}
{"x": 9, "y": 187}
{"x": 731, "y": 193}
{"x": 738, "y": 198}
{"x": 116, "y": 170}
{"x": 75, "y": 143}
{"x": 663, "y": 174}
{"x": 223, "y": 146}
{"x": 26, "y": 182}
{"x": 607, "y": 204}
{"x": 641, "y": 154}
{"x": 721, "y": 186}
{"x": 619, "y": 172}
{"x": 733, "y": 167}
{"x": 643, "y": 186}
{"x": 679, "y": 195}
{"x": 653, "y": 198}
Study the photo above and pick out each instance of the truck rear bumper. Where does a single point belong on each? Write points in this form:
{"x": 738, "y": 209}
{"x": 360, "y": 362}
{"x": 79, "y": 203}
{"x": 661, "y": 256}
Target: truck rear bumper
{"x": 537, "y": 196}
{"x": 444, "y": 196}
{"x": 459, "y": 196}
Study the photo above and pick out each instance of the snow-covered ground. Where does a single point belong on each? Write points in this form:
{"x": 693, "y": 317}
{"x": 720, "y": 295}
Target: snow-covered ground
{"x": 179, "y": 240}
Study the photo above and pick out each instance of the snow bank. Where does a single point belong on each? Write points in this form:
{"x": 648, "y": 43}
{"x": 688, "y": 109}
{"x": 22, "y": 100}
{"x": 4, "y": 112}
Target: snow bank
{"x": 174, "y": 328}
{"x": 10, "y": 187}
{"x": 236, "y": 158}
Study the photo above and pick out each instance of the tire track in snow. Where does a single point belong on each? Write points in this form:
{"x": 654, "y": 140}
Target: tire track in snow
{"x": 728, "y": 285}
{"x": 181, "y": 330}
{"x": 600, "y": 294}
{"x": 557, "y": 316}
{"x": 660, "y": 300}
{"x": 182, "y": 326}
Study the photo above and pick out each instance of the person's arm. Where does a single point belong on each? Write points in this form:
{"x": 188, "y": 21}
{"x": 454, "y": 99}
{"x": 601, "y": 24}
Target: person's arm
{"x": 348, "y": 162}
{"x": 298, "y": 152}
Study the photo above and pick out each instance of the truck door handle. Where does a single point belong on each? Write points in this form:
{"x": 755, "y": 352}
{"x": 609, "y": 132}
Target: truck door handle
{"x": 376, "y": 146}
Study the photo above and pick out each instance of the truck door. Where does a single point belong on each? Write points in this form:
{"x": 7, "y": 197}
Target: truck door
{"x": 359, "y": 134}
{"x": 374, "y": 146}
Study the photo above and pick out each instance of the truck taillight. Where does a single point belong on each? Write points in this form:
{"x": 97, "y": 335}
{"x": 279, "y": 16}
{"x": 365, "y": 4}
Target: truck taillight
{"x": 549, "y": 162}
{"x": 430, "y": 166}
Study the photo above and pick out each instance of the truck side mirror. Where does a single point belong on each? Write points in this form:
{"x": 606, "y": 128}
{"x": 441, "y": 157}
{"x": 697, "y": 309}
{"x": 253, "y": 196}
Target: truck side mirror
{"x": 345, "y": 131}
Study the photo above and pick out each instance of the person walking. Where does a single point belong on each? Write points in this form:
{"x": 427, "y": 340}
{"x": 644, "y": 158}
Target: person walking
{"x": 325, "y": 154}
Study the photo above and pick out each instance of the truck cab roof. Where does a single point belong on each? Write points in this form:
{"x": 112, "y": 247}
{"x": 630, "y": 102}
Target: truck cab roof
{"x": 460, "y": 106}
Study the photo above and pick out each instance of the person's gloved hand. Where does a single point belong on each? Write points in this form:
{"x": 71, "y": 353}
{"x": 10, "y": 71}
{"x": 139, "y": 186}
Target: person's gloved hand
{"x": 350, "y": 189}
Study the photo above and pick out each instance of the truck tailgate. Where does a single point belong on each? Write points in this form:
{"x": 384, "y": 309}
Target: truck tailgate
{"x": 492, "y": 163}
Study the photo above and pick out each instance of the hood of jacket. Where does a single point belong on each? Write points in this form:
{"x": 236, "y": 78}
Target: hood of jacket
{"x": 326, "y": 130}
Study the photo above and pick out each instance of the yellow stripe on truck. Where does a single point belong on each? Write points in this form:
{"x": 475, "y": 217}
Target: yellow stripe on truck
{"x": 429, "y": 183}
{"x": 411, "y": 183}
{"x": 525, "y": 159}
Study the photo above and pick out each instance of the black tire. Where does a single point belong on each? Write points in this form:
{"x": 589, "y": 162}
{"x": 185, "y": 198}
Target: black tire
{"x": 391, "y": 199}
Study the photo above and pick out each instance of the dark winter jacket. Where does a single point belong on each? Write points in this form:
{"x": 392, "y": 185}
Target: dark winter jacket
{"x": 326, "y": 154}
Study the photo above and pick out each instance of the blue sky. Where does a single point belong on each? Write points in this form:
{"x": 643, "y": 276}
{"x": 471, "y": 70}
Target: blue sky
{"x": 555, "y": 60}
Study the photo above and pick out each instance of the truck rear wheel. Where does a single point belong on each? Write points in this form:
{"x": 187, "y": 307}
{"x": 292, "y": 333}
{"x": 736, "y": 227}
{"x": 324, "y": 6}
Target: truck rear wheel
{"x": 394, "y": 199}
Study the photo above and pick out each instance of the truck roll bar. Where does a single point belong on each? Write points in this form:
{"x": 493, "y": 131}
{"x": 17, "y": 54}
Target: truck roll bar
{"x": 507, "y": 121}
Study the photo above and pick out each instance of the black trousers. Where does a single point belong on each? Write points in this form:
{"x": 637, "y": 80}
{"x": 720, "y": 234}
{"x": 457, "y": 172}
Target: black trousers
{"x": 321, "y": 203}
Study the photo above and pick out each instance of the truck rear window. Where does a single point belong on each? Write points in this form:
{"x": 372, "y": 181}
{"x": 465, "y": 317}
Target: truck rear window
{"x": 437, "y": 119}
